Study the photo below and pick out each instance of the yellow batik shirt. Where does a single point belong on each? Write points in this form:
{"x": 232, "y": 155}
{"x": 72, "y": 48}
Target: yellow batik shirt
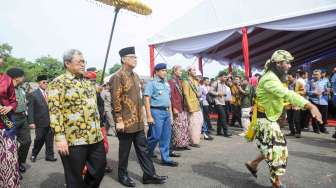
{"x": 73, "y": 110}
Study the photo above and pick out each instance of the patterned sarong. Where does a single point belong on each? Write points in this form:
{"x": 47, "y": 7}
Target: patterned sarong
{"x": 180, "y": 130}
{"x": 272, "y": 145}
{"x": 9, "y": 166}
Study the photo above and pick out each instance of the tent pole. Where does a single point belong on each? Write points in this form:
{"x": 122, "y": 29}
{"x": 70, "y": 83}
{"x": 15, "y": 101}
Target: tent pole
{"x": 200, "y": 64}
{"x": 151, "y": 60}
{"x": 116, "y": 11}
{"x": 245, "y": 52}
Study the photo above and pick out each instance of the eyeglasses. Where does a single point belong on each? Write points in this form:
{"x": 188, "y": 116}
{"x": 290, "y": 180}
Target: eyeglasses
{"x": 80, "y": 62}
{"x": 132, "y": 56}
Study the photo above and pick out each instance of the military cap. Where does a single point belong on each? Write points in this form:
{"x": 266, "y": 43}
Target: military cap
{"x": 160, "y": 66}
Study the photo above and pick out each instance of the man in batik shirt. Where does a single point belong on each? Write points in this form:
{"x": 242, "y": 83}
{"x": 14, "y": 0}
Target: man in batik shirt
{"x": 75, "y": 120}
{"x": 127, "y": 109}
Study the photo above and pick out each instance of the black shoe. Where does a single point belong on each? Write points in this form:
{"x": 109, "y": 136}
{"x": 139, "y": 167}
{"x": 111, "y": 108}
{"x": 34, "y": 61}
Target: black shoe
{"x": 20, "y": 176}
{"x": 154, "y": 156}
{"x": 207, "y": 137}
{"x": 227, "y": 135}
{"x": 22, "y": 168}
{"x": 182, "y": 148}
{"x": 334, "y": 135}
{"x": 127, "y": 181}
{"x": 33, "y": 159}
{"x": 325, "y": 132}
{"x": 173, "y": 154}
{"x": 155, "y": 179}
{"x": 170, "y": 163}
{"x": 219, "y": 134}
{"x": 51, "y": 159}
{"x": 187, "y": 148}
{"x": 195, "y": 145}
{"x": 109, "y": 134}
{"x": 108, "y": 169}
{"x": 298, "y": 135}
{"x": 290, "y": 134}
{"x": 317, "y": 132}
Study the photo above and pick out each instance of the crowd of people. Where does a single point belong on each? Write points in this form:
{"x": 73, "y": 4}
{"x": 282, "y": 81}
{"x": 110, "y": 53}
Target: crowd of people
{"x": 76, "y": 114}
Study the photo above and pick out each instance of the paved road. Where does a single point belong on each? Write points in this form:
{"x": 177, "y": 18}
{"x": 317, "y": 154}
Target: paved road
{"x": 217, "y": 164}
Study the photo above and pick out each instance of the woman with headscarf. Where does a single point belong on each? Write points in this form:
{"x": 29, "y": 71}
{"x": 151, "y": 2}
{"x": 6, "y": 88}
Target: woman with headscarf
{"x": 9, "y": 166}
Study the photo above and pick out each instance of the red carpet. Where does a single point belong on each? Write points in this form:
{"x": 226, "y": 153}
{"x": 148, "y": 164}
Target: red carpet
{"x": 332, "y": 122}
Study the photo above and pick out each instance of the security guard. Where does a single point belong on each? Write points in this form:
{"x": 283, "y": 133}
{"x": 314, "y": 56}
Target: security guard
{"x": 157, "y": 103}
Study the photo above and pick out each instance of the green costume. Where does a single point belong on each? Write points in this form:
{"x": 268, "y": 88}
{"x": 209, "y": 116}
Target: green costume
{"x": 271, "y": 95}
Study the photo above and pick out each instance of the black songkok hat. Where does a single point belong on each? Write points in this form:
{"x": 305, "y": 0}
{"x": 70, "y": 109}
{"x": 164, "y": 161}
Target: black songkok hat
{"x": 42, "y": 77}
{"x": 126, "y": 51}
{"x": 15, "y": 72}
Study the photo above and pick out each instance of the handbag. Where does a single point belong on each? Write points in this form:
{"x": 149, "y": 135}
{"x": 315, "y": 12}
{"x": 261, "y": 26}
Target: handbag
{"x": 7, "y": 122}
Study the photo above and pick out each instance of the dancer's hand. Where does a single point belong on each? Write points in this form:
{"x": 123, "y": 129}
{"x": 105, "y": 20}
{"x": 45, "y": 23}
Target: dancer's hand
{"x": 314, "y": 112}
{"x": 62, "y": 147}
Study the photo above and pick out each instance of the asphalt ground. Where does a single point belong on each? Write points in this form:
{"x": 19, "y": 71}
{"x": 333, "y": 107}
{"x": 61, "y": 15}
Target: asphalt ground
{"x": 218, "y": 163}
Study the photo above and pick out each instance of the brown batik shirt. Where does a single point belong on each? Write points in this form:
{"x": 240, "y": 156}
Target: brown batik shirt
{"x": 127, "y": 100}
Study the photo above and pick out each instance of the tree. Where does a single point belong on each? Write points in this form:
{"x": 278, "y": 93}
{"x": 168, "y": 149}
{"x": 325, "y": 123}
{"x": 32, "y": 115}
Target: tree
{"x": 49, "y": 66}
{"x": 114, "y": 69}
{"x": 5, "y": 49}
{"x": 235, "y": 72}
{"x": 183, "y": 77}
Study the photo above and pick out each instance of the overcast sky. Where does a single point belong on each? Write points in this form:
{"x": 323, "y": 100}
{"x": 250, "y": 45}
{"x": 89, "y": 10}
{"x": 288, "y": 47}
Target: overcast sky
{"x": 48, "y": 27}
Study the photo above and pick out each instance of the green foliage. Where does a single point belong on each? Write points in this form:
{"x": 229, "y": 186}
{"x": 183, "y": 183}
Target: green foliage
{"x": 5, "y": 49}
{"x": 99, "y": 76}
{"x": 183, "y": 77}
{"x": 114, "y": 69}
{"x": 43, "y": 65}
{"x": 235, "y": 72}
{"x": 49, "y": 66}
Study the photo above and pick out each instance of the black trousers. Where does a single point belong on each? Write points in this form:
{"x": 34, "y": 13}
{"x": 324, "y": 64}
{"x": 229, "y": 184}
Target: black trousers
{"x": 43, "y": 135}
{"x": 294, "y": 121}
{"x": 305, "y": 117}
{"x": 222, "y": 119}
{"x": 227, "y": 111}
{"x": 92, "y": 155}
{"x": 140, "y": 145}
{"x": 324, "y": 112}
{"x": 23, "y": 137}
{"x": 236, "y": 115}
{"x": 206, "y": 112}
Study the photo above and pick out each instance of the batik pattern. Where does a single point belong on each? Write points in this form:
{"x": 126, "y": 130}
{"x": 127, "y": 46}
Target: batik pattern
{"x": 272, "y": 145}
{"x": 180, "y": 130}
{"x": 73, "y": 110}
{"x": 9, "y": 166}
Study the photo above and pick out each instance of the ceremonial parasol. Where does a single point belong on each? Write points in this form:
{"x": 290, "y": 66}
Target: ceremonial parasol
{"x": 131, "y": 5}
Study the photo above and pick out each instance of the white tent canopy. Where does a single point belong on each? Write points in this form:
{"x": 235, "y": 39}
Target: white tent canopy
{"x": 212, "y": 29}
